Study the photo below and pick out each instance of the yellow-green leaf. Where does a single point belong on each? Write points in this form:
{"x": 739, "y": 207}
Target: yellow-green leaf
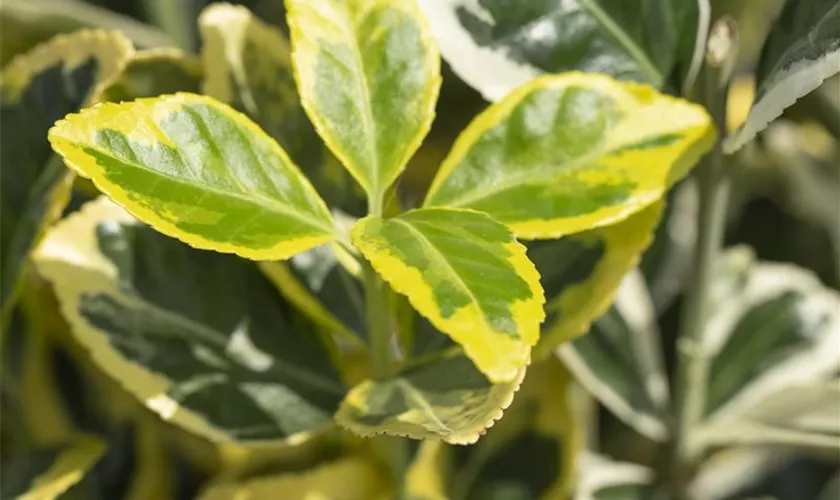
{"x": 468, "y": 275}
{"x": 348, "y": 478}
{"x": 567, "y": 153}
{"x": 199, "y": 171}
{"x": 581, "y": 273}
{"x": 368, "y": 72}
{"x": 155, "y": 72}
{"x": 49, "y": 473}
{"x": 249, "y": 66}
{"x": 200, "y": 338}
{"x": 38, "y": 88}
{"x": 445, "y": 398}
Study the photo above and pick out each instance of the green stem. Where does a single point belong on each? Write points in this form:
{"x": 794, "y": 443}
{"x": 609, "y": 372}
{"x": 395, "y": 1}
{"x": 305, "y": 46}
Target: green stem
{"x": 714, "y": 185}
{"x": 380, "y": 325}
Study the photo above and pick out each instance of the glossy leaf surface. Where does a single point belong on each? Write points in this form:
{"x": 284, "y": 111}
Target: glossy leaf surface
{"x": 248, "y": 65}
{"x": 446, "y": 398}
{"x": 497, "y": 45}
{"x": 467, "y": 275}
{"x": 619, "y": 361}
{"x": 581, "y": 273}
{"x": 39, "y": 87}
{"x": 49, "y": 473}
{"x": 241, "y": 366}
{"x": 368, "y": 73}
{"x": 151, "y": 73}
{"x": 801, "y": 51}
{"x": 350, "y": 478}
{"x": 199, "y": 171}
{"x": 571, "y": 152}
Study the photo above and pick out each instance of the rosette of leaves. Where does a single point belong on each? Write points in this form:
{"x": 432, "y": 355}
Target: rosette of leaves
{"x": 200, "y": 189}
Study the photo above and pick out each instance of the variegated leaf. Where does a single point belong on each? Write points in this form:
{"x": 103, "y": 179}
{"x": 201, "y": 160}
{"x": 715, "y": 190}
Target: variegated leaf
{"x": 619, "y": 361}
{"x": 27, "y": 23}
{"x": 248, "y": 65}
{"x": 771, "y": 345}
{"x": 198, "y": 171}
{"x": 581, "y": 273}
{"x": 497, "y": 45}
{"x": 39, "y": 87}
{"x": 444, "y": 398}
{"x": 368, "y": 73}
{"x": 467, "y": 275}
{"x": 147, "y": 308}
{"x": 567, "y": 153}
{"x": 801, "y": 51}
{"x": 155, "y": 72}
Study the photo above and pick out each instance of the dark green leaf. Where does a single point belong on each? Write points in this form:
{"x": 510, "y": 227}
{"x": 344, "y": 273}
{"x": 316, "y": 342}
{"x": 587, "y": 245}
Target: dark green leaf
{"x": 619, "y": 360}
{"x": 581, "y": 273}
{"x": 497, "y": 45}
{"x": 324, "y": 288}
{"x": 151, "y": 73}
{"x": 38, "y": 88}
{"x": 238, "y": 365}
{"x": 772, "y": 342}
{"x": 801, "y": 51}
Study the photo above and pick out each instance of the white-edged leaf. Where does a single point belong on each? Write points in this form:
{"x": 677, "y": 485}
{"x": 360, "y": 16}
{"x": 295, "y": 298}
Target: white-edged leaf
{"x": 801, "y": 51}
{"x": 619, "y": 360}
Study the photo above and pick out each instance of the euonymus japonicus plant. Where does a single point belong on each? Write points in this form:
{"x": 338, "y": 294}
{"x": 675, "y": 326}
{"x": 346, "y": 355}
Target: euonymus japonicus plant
{"x": 220, "y": 352}
{"x": 251, "y": 168}
{"x": 261, "y": 357}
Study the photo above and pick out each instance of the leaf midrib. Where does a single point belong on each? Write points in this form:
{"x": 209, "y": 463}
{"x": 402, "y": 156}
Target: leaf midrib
{"x": 441, "y": 259}
{"x": 368, "y": 122}
{"x": 267, "y": 204}
{"x": 613, "y": 29}
{"x": 419, "y": 399}
{"x": 521, "y": 178}
{"x": 621, "y": 37}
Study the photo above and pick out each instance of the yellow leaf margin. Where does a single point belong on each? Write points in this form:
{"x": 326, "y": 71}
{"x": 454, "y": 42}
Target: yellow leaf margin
{"x": 81, "y": 128}
{"x": 500, "y": 357}
{"x": 647, "y": 112}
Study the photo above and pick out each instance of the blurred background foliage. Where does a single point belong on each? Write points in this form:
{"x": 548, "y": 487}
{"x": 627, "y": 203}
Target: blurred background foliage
{"x": 786, "y": 207}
